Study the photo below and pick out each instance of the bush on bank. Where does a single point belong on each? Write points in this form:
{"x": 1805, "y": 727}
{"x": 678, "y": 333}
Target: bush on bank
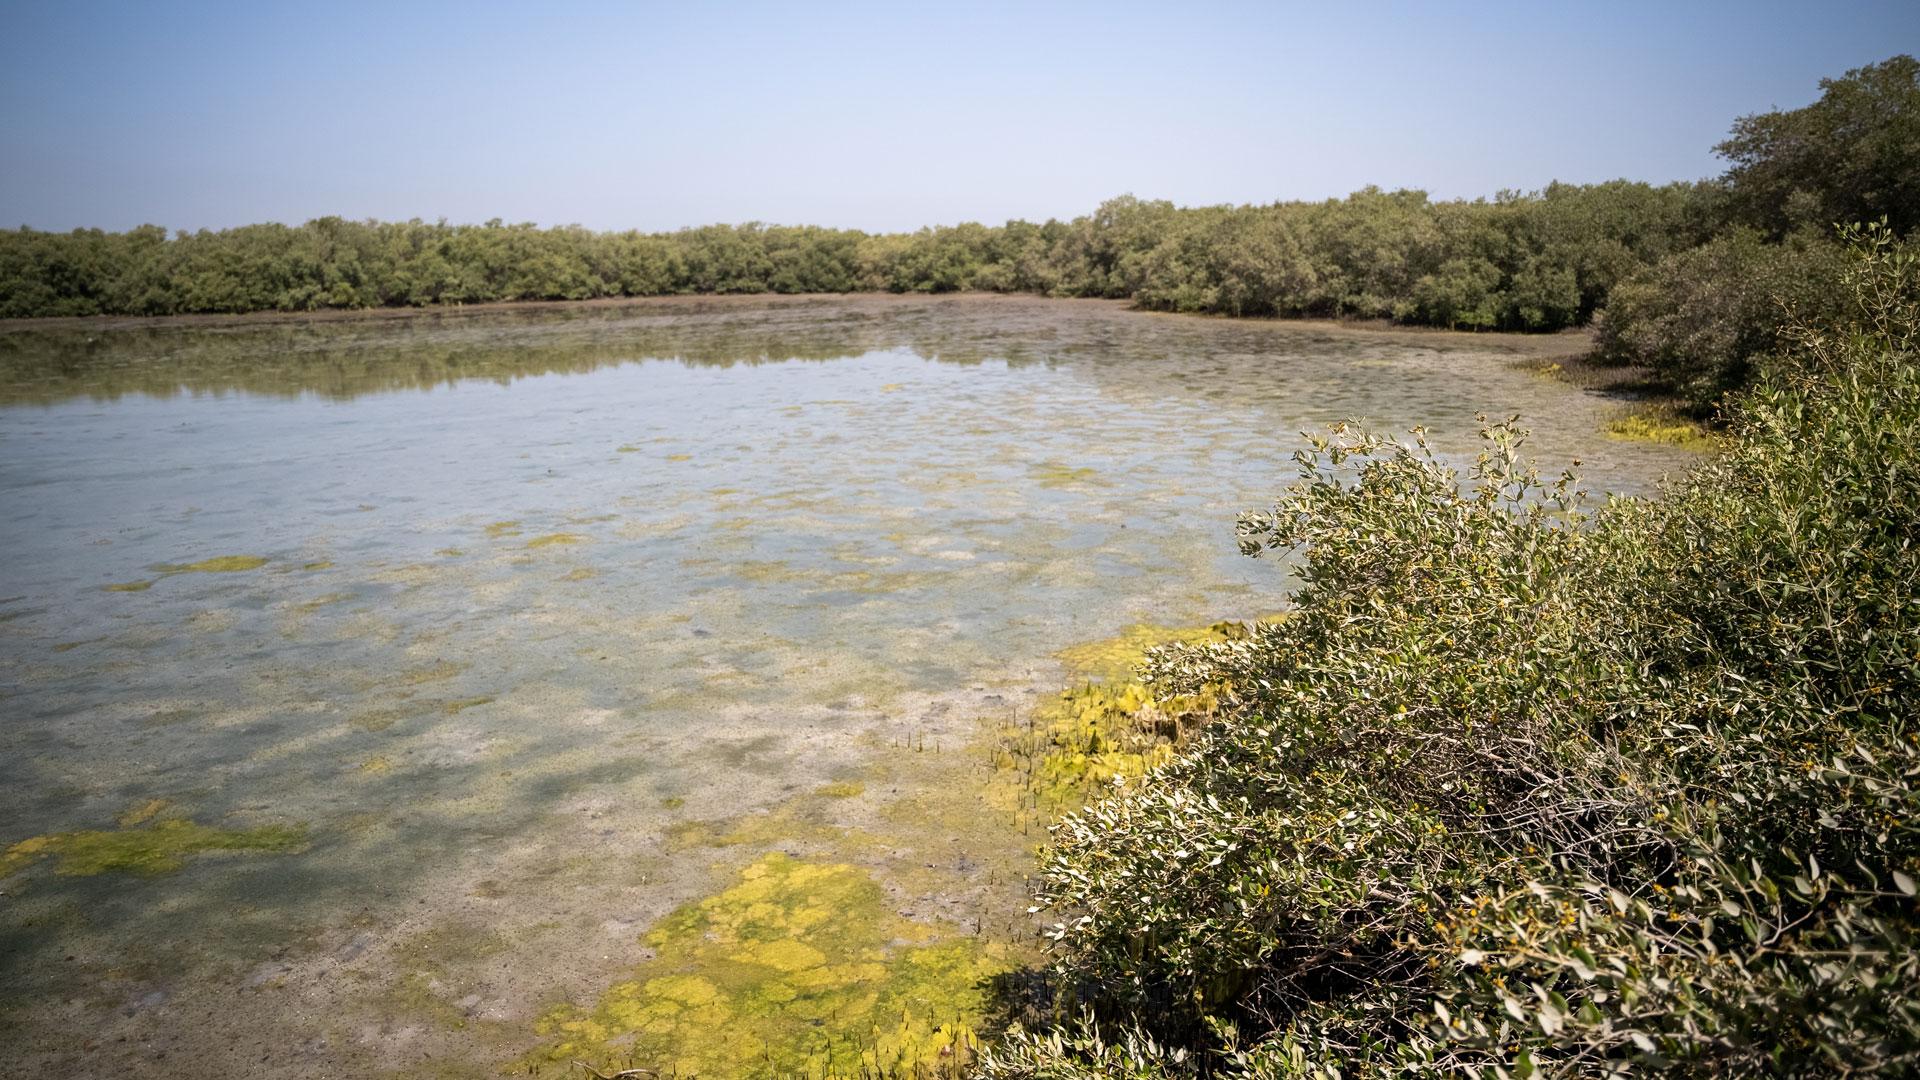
{"x": 1519, "y": 789}
{"x": 1703, "y": 319}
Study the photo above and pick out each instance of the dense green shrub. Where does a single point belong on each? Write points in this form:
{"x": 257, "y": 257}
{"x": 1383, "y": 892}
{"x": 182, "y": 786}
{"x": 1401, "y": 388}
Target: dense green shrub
{"x": 1702, "y": 319}
{"x": 1522, "y": 262}
{"x": 1521, "y": 789}
{"x": 1362, "y": 256}
{"x": 1853, "y": 155}
{"x": 1542, "y": 261}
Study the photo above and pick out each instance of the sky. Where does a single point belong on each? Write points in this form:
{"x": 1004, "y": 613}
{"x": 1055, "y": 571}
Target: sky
{"x": 880, "y": 117}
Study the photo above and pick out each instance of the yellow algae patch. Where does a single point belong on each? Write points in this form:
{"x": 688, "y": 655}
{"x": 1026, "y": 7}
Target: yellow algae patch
{"x": 679, "y": 457}
{"x": 461, "y": 704}
{"x": 556, "y": 539}
{"x": 1090, "y": 735}
{"x": 220, "y": 564}
{"x": 790, "y": 956}
{"x": 893, "y": 387}
{"x": 377, "y": 720}
{"x": 1663, "y": 426}
{"x": 1113, "y": 659}
{"x": 1052, "y": 474}
{"x": 143, "y": 813}
{"x": 20, "y": 855}
{"x": 844, "y": 789}
{"x": 502, "y": 528}
{"x": 1110, "y": 727}
{"x": 376, "y": 766}
{"x": 627, "y": 449}
{"x": 323, "y": 564}
{"x": 580, "y": 574}
{"x": 158, "y": 848}
{"x": 800, "y": 968}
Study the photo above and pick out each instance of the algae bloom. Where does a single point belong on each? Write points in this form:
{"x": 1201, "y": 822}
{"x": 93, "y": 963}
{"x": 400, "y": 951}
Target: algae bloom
{"x": 159, "y": 848}
{"x": 1662, "y": 426}
{"x": 806, "y": 971}
{"x": 220, "y": 564}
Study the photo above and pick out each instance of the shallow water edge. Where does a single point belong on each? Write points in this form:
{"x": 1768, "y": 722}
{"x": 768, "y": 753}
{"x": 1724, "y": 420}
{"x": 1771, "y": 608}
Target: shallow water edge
{"x": 436, "y": 695}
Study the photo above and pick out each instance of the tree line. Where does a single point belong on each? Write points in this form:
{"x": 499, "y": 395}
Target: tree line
{"x": 1537, "y": 261}
{"x": 1682, "y": 258}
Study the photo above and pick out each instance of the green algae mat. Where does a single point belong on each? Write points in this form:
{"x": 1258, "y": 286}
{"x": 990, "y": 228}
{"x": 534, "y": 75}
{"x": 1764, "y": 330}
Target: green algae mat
{"x": 798, "y": 969}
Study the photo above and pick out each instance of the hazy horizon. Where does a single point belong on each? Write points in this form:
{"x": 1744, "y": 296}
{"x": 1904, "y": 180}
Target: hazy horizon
{"x": 630, "y": 116}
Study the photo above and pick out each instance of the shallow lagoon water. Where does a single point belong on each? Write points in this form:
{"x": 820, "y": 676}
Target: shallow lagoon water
{"x": 481, "y": 613}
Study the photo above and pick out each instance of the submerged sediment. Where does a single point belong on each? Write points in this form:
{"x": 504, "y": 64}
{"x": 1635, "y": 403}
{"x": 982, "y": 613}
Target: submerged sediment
{"x": 534, "y": 665}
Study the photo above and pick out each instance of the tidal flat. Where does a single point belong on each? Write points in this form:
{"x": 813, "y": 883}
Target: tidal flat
{"x": 484, "y": 691}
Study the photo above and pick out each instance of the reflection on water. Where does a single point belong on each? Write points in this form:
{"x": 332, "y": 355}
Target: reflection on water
{"x": 484, "y": 646}
{"x": 343, "y": 359}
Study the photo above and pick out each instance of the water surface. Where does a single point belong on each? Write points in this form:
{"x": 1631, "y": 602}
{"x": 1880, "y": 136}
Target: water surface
{"x": 496, "y": 601}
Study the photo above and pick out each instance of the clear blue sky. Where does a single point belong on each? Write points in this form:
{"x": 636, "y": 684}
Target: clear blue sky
{"x": 886, "y": 116}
